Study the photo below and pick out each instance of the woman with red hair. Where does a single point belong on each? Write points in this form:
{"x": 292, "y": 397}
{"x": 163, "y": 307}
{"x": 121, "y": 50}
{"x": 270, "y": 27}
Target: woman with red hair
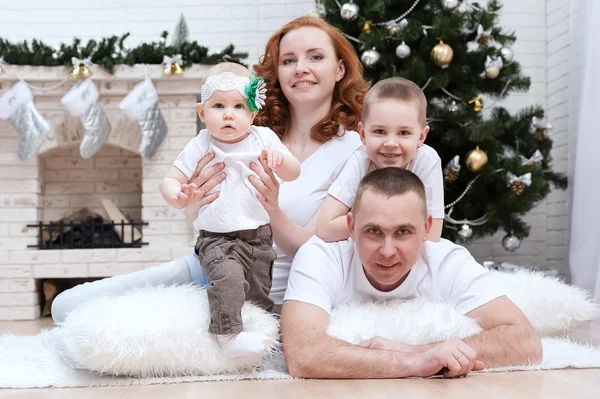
{"x": 315, "y": 92}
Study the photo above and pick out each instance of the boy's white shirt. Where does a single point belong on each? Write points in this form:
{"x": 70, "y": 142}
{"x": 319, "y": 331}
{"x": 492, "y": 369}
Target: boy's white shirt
{"x": 237, "y": 207}
{"x": 426, "y": 164}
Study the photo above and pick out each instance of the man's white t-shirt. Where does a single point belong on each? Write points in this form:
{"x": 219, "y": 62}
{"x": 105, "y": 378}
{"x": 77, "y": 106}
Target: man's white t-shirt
{"x": 426, "y": 164}
{"x": 237, "y": 207}
{"x": 329, "y": 274}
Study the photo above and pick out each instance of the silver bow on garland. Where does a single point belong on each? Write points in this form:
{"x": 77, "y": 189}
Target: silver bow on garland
{"x": 86, "y": 61}
{"x": 141, "y": 104}
{"x": 82, "y": 101}
{"x": 535, "y": 159}
{"x": 16, "y": 105}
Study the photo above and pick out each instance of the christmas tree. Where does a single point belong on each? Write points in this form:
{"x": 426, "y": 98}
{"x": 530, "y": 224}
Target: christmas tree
{"x": 497, "y": 165}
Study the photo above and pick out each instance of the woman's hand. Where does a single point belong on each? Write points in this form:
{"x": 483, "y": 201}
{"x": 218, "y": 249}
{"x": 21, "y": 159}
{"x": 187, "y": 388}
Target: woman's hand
{"x": 205, "y": 179}
{"x": 267, "y": 187}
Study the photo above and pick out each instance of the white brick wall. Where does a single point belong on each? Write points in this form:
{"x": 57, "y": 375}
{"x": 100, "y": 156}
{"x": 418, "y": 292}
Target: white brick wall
{"x": 213, "y": 23}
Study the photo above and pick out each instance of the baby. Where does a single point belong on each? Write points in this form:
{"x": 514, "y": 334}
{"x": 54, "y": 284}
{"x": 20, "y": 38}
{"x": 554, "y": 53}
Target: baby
{"x": 235, "y": 243}
{"x": 393, "y": 129}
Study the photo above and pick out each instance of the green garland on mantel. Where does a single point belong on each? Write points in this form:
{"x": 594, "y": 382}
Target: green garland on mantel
{"x": 111, "y": 51}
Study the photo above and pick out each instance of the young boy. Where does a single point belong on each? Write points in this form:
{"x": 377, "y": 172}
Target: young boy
{"x": 235, "y": 244}
{"x": 393, "y": 129}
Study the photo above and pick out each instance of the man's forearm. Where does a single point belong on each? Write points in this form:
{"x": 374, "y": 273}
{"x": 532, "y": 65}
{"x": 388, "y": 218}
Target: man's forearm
{"x": 507, "y": 345}
{"x": 333, "y": 358}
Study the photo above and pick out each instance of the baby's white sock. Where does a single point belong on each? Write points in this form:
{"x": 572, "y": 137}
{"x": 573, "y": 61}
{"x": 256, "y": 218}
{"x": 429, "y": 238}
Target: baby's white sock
{"x": 242, "y": 344}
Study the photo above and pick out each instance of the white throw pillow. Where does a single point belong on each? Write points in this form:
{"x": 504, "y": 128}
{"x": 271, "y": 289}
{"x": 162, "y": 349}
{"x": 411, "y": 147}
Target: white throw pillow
{"x": 155, "y": 332}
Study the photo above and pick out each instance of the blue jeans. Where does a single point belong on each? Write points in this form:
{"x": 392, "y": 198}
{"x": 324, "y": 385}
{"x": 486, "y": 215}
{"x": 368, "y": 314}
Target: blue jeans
{"x": 186, "y": 270}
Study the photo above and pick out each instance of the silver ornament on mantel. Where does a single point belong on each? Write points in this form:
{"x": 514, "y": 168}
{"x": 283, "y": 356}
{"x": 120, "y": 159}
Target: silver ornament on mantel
{"x": 450, "y": 4}
{"x": 507, "y": 54}
{"x": 511, "y": 243}
{"x": 349, "y": 11}
{"x": 402, "y": 51}
{"x": 370, "y": 57}
{"x": 465, "y": 232}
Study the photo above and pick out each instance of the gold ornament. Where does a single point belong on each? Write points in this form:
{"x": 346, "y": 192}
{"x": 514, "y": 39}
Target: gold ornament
{"x": 476, "y": 159}
{"x": 477, "y": 105}
{"x": 81, "y": 71}
{"x": 393, "y": 29}
{"x": 442, "y": 54}
{"x": 172, "y": 65}
{"x": 492, "y": 72}
{"x": 367, "y": 26}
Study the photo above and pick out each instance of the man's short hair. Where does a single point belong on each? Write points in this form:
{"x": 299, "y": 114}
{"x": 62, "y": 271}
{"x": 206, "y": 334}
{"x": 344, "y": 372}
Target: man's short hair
{"x": 396, "y": 89}
{"x": 391, "y": 182}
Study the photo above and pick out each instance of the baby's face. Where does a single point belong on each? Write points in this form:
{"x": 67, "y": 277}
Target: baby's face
{"x": 392, "y": 133}
{"x": 226, "y": 115}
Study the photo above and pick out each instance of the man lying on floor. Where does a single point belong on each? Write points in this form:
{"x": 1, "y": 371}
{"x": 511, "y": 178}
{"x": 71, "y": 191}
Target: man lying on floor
{"x": 387, "y": 258}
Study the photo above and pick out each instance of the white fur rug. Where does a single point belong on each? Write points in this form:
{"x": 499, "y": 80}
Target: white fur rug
{"x": 33, "y": 362}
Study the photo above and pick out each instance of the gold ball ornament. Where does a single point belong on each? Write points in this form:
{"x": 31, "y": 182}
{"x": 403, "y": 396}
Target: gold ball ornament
{"x": 393, "y": 29}
{"x": 173, "y": 69}
{"x": 367, "y": 26}
{"x": 476, "y": 159}
{"x": 492, "y": 72}
{"x": 81, "y": 71}
{"x": 442, "y": 54}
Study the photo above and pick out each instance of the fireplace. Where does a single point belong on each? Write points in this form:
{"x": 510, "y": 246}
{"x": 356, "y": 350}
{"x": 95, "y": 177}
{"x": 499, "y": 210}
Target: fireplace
{"x": 58, "y": 182}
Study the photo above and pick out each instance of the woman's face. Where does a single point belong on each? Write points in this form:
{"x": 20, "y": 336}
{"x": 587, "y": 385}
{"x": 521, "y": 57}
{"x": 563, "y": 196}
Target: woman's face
{"x": 308, "y": 68}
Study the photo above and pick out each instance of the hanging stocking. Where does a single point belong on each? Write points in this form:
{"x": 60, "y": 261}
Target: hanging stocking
{"x": 17, "y": 106}
{"x": 82, "y": 101}
{"x": 142, "y": 105}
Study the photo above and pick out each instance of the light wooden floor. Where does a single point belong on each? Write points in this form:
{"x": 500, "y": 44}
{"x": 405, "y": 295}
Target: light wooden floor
{"x": 538, "y": 384}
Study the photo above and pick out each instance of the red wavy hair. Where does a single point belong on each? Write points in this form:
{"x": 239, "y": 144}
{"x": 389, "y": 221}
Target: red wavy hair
{"x": 348, "y": 94}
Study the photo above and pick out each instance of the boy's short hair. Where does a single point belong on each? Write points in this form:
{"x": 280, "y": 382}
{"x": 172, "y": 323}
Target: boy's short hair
{"x": 391, "y": 182}
{"x": 396, "y": 89}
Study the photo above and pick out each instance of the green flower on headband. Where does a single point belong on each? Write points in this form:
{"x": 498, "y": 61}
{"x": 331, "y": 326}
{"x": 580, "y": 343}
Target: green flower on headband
{"x": 256, "y": 91}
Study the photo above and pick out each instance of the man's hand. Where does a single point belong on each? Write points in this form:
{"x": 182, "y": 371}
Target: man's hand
{"x": 453, "y": 356}
{"x": 273, "y": 158}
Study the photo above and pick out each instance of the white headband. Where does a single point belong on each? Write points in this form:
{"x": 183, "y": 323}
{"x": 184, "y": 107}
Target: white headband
{"x": 252, "y": 88}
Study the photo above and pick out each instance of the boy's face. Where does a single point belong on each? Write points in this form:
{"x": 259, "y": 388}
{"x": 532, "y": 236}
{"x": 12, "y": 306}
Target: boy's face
{"x": 392, "y": 132}
{"x": 226, "y": 116}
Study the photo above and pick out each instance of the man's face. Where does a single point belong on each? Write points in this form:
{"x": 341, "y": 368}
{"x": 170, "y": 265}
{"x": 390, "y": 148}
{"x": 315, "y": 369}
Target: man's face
{"x": 389, "y": 233}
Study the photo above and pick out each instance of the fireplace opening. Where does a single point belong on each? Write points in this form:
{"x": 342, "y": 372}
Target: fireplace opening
{"x": 89, "y": 203}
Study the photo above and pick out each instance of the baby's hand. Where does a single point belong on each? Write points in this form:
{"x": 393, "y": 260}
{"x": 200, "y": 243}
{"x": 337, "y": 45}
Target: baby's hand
{"x": 273, "y": 158}
{"x": 182, "y": 198}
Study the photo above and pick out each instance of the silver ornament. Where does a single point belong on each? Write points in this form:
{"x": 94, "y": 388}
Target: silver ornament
{"x": 370, "y": 57}
{"x": 511, "y": 243}
{"x": 453, "y": 107}
{"x": 450, "y": 4}
{"x": 465, "y": 232}
{"x": 402, "y": 51}
{"x": 349, "y": 11}
{"x": 507, "y": 54}
{"x": 321, "y": 10}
